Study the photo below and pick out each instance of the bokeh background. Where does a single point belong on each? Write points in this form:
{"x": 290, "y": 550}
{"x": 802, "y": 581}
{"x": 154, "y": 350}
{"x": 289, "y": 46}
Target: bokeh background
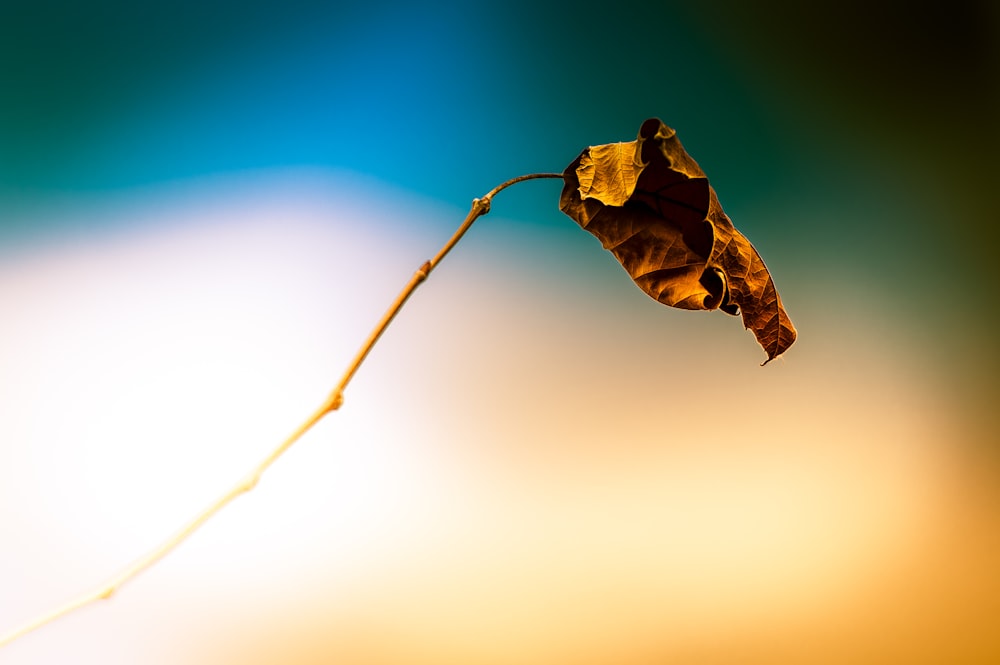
{"x": 204, "y": 207}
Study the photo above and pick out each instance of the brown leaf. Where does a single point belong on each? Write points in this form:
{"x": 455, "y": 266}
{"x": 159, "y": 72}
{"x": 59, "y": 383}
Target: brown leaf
{"x": 650, "y": 204}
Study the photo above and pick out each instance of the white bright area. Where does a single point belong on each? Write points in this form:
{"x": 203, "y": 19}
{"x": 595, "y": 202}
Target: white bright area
{"x": 533, "y": 466}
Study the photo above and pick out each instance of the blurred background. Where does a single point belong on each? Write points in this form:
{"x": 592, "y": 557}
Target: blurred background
{"x": 204, "y": 208}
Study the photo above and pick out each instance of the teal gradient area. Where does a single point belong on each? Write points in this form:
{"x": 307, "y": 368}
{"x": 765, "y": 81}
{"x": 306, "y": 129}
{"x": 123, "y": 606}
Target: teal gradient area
{"x": 852, "y": 142}
{"x": 204, "y": 207}
{"x": 439, "y": 99}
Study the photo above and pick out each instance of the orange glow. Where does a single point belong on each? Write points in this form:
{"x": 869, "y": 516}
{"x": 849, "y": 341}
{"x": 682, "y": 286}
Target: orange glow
{"x": 519, "y": 474}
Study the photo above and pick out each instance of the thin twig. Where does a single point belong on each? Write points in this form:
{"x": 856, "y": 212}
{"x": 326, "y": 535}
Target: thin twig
{"x": 333, "y": 402}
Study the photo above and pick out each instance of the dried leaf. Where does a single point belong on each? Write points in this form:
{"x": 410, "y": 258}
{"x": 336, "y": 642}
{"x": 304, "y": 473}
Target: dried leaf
{"x": 650, "y": 204}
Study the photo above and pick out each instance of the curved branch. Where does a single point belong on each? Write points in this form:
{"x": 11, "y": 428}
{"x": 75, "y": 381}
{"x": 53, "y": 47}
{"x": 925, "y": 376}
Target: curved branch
{"x": 332, "y": 403}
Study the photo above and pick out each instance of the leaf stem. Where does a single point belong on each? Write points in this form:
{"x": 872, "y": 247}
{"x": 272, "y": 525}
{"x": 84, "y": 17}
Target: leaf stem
{"x": 332, "y": 403}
